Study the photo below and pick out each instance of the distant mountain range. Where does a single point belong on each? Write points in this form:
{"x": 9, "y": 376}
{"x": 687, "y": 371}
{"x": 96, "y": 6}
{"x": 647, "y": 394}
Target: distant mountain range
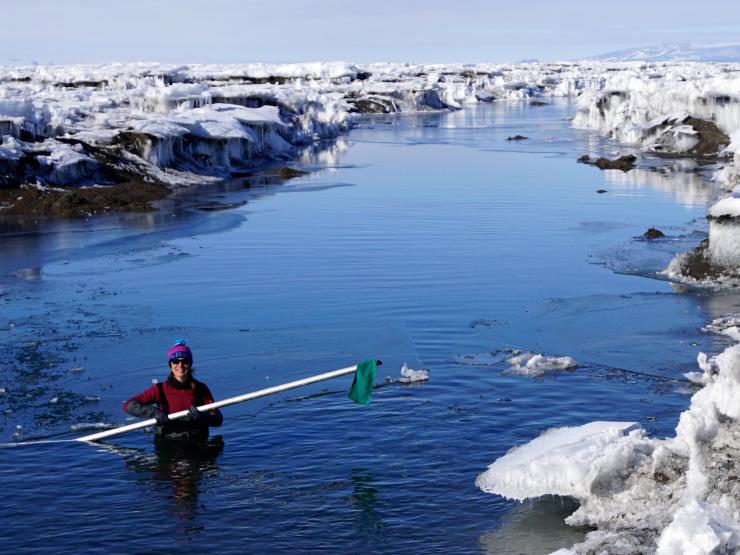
{"x": 721, "y": 52}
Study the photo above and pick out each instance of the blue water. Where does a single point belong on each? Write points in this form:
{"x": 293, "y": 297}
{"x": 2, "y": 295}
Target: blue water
{"x": 415, "y": 239}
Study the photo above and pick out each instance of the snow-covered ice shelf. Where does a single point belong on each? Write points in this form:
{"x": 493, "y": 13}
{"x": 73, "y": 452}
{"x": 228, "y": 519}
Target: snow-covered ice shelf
{"x": 180, "y": 124}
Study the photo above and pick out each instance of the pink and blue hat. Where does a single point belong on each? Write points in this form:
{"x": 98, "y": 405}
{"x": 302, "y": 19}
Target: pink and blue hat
{"x": 180, "y": 351}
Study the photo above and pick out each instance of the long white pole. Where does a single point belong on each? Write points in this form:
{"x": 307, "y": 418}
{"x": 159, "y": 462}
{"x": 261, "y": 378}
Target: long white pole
{"x": 224, "y": 403}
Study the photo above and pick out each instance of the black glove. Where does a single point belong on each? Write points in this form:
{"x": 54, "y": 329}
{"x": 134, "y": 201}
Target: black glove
{"x": 161, "y": 418}
{"x": 194, "y": 415}
{"x": 147, "y": 411}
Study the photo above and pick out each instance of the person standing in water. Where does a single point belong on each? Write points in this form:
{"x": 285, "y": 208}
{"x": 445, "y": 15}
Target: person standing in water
{"x": 179, "y": 392}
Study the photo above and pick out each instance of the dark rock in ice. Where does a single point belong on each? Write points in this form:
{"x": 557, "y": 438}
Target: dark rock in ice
{"x": 517, "y": 138}
{"x": 375, "y": 104}
{"x": 605, "y": 101}
{"x": 136, "y": 142}
{"x": 601, "y": 191}
{"x": 288, "y": 173}
{"x": 653, "y": 233}
{"x": 22, "y": 131}
{"x": 485, "y": 96}
{"x": 72, "y": 203}
{"x": 219, "y": 206}
{"x": 711, "y": 138}
{"x": 269, "y": 80}
{"x": 82, "y": 84}
{"x": 470, "y": 74}
{"x": 696, "y": 264}
{"x": 624, "y": 163}
{"x": 668, "y": 136}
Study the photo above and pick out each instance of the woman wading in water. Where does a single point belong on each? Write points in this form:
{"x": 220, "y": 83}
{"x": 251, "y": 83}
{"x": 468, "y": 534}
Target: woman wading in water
{"x": 179, "y": 392}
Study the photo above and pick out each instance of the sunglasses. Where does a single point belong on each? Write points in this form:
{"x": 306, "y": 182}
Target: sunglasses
{"x": 182, "y": 361}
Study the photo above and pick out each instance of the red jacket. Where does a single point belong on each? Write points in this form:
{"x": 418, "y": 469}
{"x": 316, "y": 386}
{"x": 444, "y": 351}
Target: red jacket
{"x": 173, "y": 396}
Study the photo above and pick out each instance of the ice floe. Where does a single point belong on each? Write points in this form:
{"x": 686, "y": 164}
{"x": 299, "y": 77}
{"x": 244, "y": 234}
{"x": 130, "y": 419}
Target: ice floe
{"x": 523, "y": 363}
{"x": 535, "y": 364}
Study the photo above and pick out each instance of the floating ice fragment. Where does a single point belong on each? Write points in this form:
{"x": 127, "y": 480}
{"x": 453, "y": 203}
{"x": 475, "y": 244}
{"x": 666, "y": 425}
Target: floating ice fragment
{"x": 77, "y": 370}
{"x": 92, "y": 398}
{"x": 53, "y": 400}
{"x": 409, "y": 375}
{"x": 533, "y": 364}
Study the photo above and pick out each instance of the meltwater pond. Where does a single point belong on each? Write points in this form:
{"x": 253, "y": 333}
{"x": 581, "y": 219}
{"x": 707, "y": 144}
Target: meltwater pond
{"x": 428, "y": 239}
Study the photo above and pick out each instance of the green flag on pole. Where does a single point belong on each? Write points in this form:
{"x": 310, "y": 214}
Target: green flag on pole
{"x": 362, "y": 386}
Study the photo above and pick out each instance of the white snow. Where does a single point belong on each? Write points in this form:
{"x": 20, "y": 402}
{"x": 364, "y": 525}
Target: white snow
{"x": 726, "y": 207}
{"x": 699, "y": 528}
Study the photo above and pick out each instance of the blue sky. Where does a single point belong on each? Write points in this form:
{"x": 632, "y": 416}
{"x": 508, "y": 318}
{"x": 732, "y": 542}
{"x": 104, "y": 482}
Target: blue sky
{"x": 90, "y": 31}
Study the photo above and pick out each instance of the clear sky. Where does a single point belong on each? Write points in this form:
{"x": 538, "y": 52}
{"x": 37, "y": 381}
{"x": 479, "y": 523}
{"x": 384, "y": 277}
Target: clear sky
{"x": 203, "y": 31}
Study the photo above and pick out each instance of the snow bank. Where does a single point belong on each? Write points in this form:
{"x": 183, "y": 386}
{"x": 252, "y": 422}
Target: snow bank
{"x": 207, "y": 119}
{"x": 640, "y": 103}
{"x": 673, "y": 496}
{"x": 181, "y": 124}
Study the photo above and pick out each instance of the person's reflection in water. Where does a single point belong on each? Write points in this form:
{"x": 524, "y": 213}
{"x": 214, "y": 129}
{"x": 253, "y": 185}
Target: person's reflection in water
{"x": 181, "y": 465}
{"x": 364, "y": 498}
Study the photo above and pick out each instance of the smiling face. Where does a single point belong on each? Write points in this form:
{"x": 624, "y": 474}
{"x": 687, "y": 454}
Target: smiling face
{"x": 181, "y": 368}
